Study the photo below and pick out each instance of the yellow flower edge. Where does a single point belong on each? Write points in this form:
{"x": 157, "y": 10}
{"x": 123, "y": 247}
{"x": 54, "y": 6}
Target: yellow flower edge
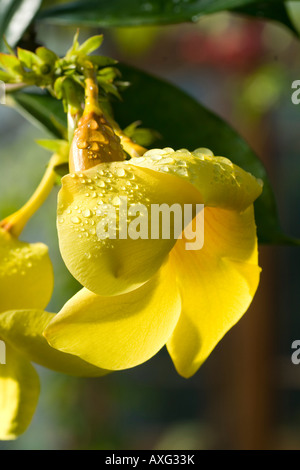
{"x": 21, "y": 330}
{"x": 213, "y": 286}
{"x": 19, "y": 393}
{"x": 161, "y": 176}
{"x": 26, "y": 274}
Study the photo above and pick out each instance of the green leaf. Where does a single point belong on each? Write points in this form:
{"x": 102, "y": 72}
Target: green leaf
{"x": 5, "y": 76}
{"x": 29, "y": 59}
{"x": 140, "y": 135}
{"x": 149, "y": 12}
{"x": 10, "y": 63}
{"x": 91, "y": 45}
{"x": 102, "y": 61}
{"x": 15, "y": 17}
{"x": 12, "y": 68}
{"x": 57, "y": 146}
{"x": 276, "y": 10}
{"x": 46, "y": 55}
{"x": 184, "y": 123}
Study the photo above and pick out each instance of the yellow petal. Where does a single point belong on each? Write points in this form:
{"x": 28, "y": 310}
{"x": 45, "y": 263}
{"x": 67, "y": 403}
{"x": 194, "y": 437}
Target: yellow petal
{"x": 220, "y": 183}
{"x": 217, "y": 284}
{"x": 19, "y": 392}
{"x": 118, "y": 332}
{"x": 26, "y": 274}
{"x": 114, "y": 266}
{"x": 24, "y": 330}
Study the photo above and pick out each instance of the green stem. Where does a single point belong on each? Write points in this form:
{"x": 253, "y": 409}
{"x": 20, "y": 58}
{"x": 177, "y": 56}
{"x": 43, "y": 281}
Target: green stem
{"x": 16, "y": 222}
{"x": 74, "y": 107}
{"x": 91, "y": 92}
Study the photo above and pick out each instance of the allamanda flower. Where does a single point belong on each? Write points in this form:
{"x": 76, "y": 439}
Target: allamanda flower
{"x": 26, "y": 284}
{"x": 141, "y": 293}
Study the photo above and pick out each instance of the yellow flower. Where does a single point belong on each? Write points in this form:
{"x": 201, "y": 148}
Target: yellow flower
{"x": 143, "y": 293}
{"x": 26, "y": 283}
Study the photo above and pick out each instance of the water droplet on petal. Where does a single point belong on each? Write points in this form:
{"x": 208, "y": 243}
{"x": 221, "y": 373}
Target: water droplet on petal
{"x": 116, "y": 201}
{"x": 82, "y": 144}
{"x": 182, "y": 172}
{"x": 120, "y": 172}
{"x": 87, "y": 213}
{"x": 203, "y": 151}
{"x": 75, "y": 220}
{"x": 168, "y": 160}
{"x": 93, "y": 125}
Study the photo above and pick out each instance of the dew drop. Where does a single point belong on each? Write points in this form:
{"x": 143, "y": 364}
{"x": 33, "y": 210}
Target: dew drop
{"x": 93, "y": 125}
{"x": 120, "y": 172}
{"x": 168, "y": 160}
{"x": 182, "y": 172}
{"x": 82, "y": 144}
{"x": 156, "y": 157}
{"x": 87, "y": 213}
{"x": 76, "y": 220}
{"x": 203, "y": 151}
{"x": 94, "y": 146}
{"x": 116, "y": 201}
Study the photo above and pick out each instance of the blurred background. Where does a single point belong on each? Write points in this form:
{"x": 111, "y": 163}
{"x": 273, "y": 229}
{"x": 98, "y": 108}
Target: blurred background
{"x": 247, "y": 394}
